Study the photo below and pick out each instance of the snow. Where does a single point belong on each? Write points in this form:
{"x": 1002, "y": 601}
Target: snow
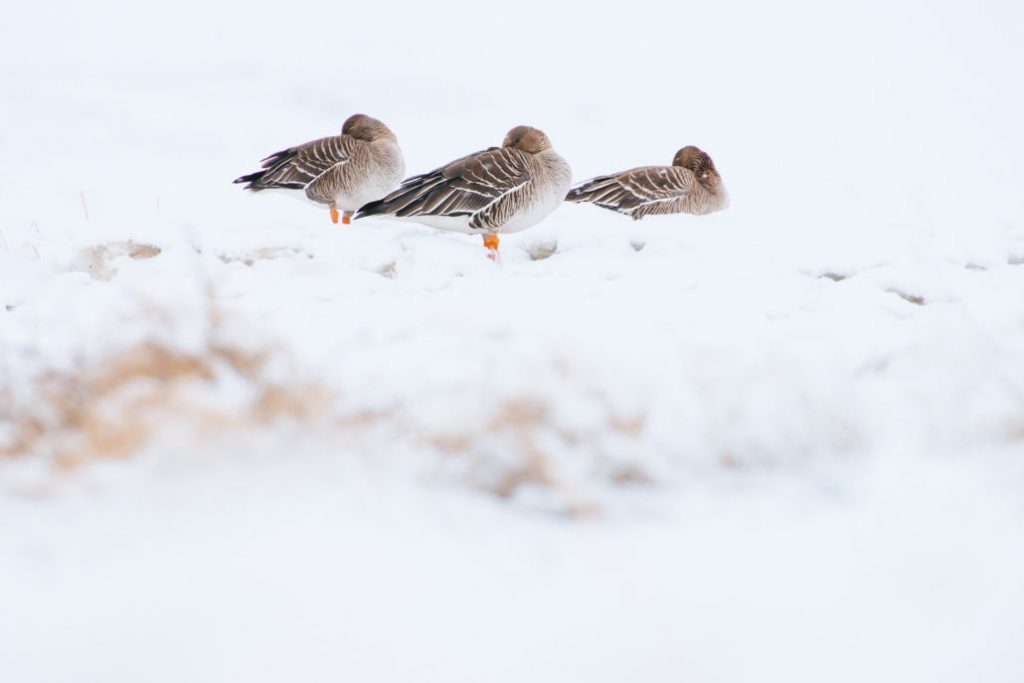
{"x": 781, "y": 442}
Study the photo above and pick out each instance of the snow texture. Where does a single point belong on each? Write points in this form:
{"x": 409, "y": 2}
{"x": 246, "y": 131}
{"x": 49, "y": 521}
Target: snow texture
{"x": 782, "y": 442}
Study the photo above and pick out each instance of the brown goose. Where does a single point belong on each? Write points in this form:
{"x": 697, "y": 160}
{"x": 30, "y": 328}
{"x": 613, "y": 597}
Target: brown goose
{"x": 344, "y": 172}
{"x": 690, "y": 185}
{"x": 498, "y": 190}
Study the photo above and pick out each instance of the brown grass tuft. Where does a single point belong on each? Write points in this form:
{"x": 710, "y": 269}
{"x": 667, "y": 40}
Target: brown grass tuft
{"x": 511, "y": 452}
{"x": 111, "y": 408}
{"x": 99, "y": 260}
{"x": 909, "y": 298}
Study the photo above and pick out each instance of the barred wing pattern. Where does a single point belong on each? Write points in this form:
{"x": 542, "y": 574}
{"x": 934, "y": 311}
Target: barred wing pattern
{"x": 297, "y": 167}
{"x": 479, "y": 185}
{"x": 643, "y": 191}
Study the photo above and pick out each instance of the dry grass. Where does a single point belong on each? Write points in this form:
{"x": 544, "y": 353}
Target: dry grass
{"x": 834, "y": 277}
{"x": 512, "y": 451}
{"x": 111, "y": 408}
{"x": 99, "y": 261}
{"x": 909, "y": 298}
{"x": 115, "y": 406}
{"x": 262, "y": 254}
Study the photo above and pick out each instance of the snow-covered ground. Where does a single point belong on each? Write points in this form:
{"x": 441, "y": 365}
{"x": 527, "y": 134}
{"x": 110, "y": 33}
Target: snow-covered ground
{"x": 783, "y": 442}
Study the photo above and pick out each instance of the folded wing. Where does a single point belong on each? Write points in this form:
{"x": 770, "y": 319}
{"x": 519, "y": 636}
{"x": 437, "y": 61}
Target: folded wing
{"x": 478, "y": 186}
{"x": 297, "y": 167}
{"x": 639, "y": 192}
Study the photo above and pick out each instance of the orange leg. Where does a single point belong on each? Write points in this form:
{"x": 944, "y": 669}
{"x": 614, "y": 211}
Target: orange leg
{"x": 346, "y": 218}
{"x": 334, "y": 215}
{"x": 491, "y": 242}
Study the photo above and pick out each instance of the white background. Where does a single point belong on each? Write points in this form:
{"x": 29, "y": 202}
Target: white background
{"x": 823, "y": 387}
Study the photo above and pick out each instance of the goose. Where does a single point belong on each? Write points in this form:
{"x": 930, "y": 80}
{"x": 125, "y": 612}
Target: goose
{"x": 495, "y": 191}
{"x": 690, "y": 185}
{"x": 344, "y": 171}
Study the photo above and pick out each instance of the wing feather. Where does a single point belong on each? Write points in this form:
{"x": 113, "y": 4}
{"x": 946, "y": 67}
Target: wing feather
{"x": 297, "y": 167}
{"x": 469, "y": 186}
{"x": 639, "y": 191}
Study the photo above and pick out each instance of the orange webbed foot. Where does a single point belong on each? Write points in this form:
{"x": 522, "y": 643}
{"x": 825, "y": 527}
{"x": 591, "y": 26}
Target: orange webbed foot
{"x": 492, "y": 242}
{"x": 346, "y": 220}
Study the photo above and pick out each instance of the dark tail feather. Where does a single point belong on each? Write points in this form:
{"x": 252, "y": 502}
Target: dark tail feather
{"x": 375, "y": 208}
{"x": 387, "y": 205}
{"x": 253, "y": 180}
{"x": 584, "y": 191}
{"x": 395, "y": 204}
{"x": 256, "y": 181}
{"x": 413, "y": 197}
{"x": 580, "y": 194}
